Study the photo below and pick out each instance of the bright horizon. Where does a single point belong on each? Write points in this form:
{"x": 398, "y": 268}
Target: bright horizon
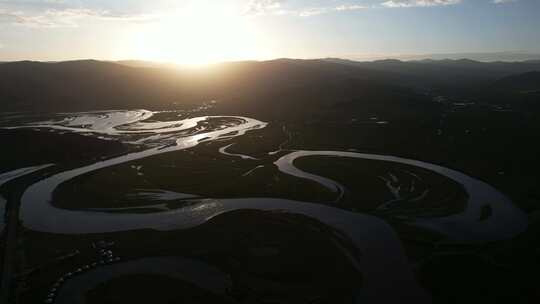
{"x": 202, "y": 32}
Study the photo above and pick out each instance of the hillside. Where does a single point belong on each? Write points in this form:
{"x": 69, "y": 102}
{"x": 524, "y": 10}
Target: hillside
{"x": 447, "y": 72}
{"x": 524, "y": 82}
{"x": 81, "y": 85}
{"x": 90, "y": 85}
{"x": 274, "y": 88}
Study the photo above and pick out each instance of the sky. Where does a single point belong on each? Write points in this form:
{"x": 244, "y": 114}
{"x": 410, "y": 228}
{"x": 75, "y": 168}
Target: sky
{"x": 206, "y": 31}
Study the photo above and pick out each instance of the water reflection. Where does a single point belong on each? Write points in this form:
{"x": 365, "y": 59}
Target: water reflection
{"x": 377, "y": 241}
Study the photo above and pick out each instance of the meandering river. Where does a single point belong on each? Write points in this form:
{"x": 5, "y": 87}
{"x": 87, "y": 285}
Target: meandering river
{"x": 377, "y": 241}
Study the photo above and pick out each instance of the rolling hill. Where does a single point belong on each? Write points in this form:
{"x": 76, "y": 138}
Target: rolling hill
{"x": 278, "y": 88}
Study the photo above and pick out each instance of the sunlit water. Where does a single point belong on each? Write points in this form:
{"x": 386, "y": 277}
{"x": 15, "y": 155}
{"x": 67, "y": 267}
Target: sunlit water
{"x": 377, "y": 241}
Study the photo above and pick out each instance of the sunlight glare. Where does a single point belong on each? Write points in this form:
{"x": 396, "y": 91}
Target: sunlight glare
{"x": 199, "y": 33}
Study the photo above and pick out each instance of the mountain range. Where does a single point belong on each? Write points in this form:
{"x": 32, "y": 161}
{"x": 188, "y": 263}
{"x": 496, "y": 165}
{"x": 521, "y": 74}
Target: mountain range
{"x": 280, "y": 85}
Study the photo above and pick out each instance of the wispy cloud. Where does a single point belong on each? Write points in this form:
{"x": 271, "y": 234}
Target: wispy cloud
{"x": 274, "y": 7}
{"x": 504, "y": 1}
{"x": 53, "y": 18}
{"x": 325, "y": 10}
{"x": 262, "y": 7}
{"x": 350, "y": 7}
{"x": 70, "y": 13}
{"x": 419, "y": 3}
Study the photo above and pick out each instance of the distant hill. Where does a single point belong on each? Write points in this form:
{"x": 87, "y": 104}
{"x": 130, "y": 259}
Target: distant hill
{"x": 447, "y": 72}
{"x": 283, "y": 87}
{"x": 476, "y": 56}
{"x": 524, "y": 82}
{"x": 145, "y": 64}
{"x": 89, "y": 84}
{"x": 85, "y": 84}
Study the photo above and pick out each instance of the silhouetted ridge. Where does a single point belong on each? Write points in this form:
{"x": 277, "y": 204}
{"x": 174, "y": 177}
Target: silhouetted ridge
{"x": 521, "y": 82}
{"x": 281, "y": 85}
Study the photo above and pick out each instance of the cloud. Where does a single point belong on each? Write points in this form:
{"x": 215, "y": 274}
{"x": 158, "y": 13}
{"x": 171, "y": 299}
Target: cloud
{"x": 420, "y": 3}
{"x": 274, "y": 7}
{"x": 54, "y": 18}
{"x": 314, "y": 11}
{"x": 262, "y": 7}
{"x": 325, "y": 10}
{"x": 70, "y": 13}
{"x": 503, "y": 1}
{"x": 350, "y": 7}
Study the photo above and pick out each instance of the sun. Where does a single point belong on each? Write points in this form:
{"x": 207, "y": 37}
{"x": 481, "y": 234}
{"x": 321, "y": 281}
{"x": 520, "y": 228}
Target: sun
{"x": 199, "y": 33}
